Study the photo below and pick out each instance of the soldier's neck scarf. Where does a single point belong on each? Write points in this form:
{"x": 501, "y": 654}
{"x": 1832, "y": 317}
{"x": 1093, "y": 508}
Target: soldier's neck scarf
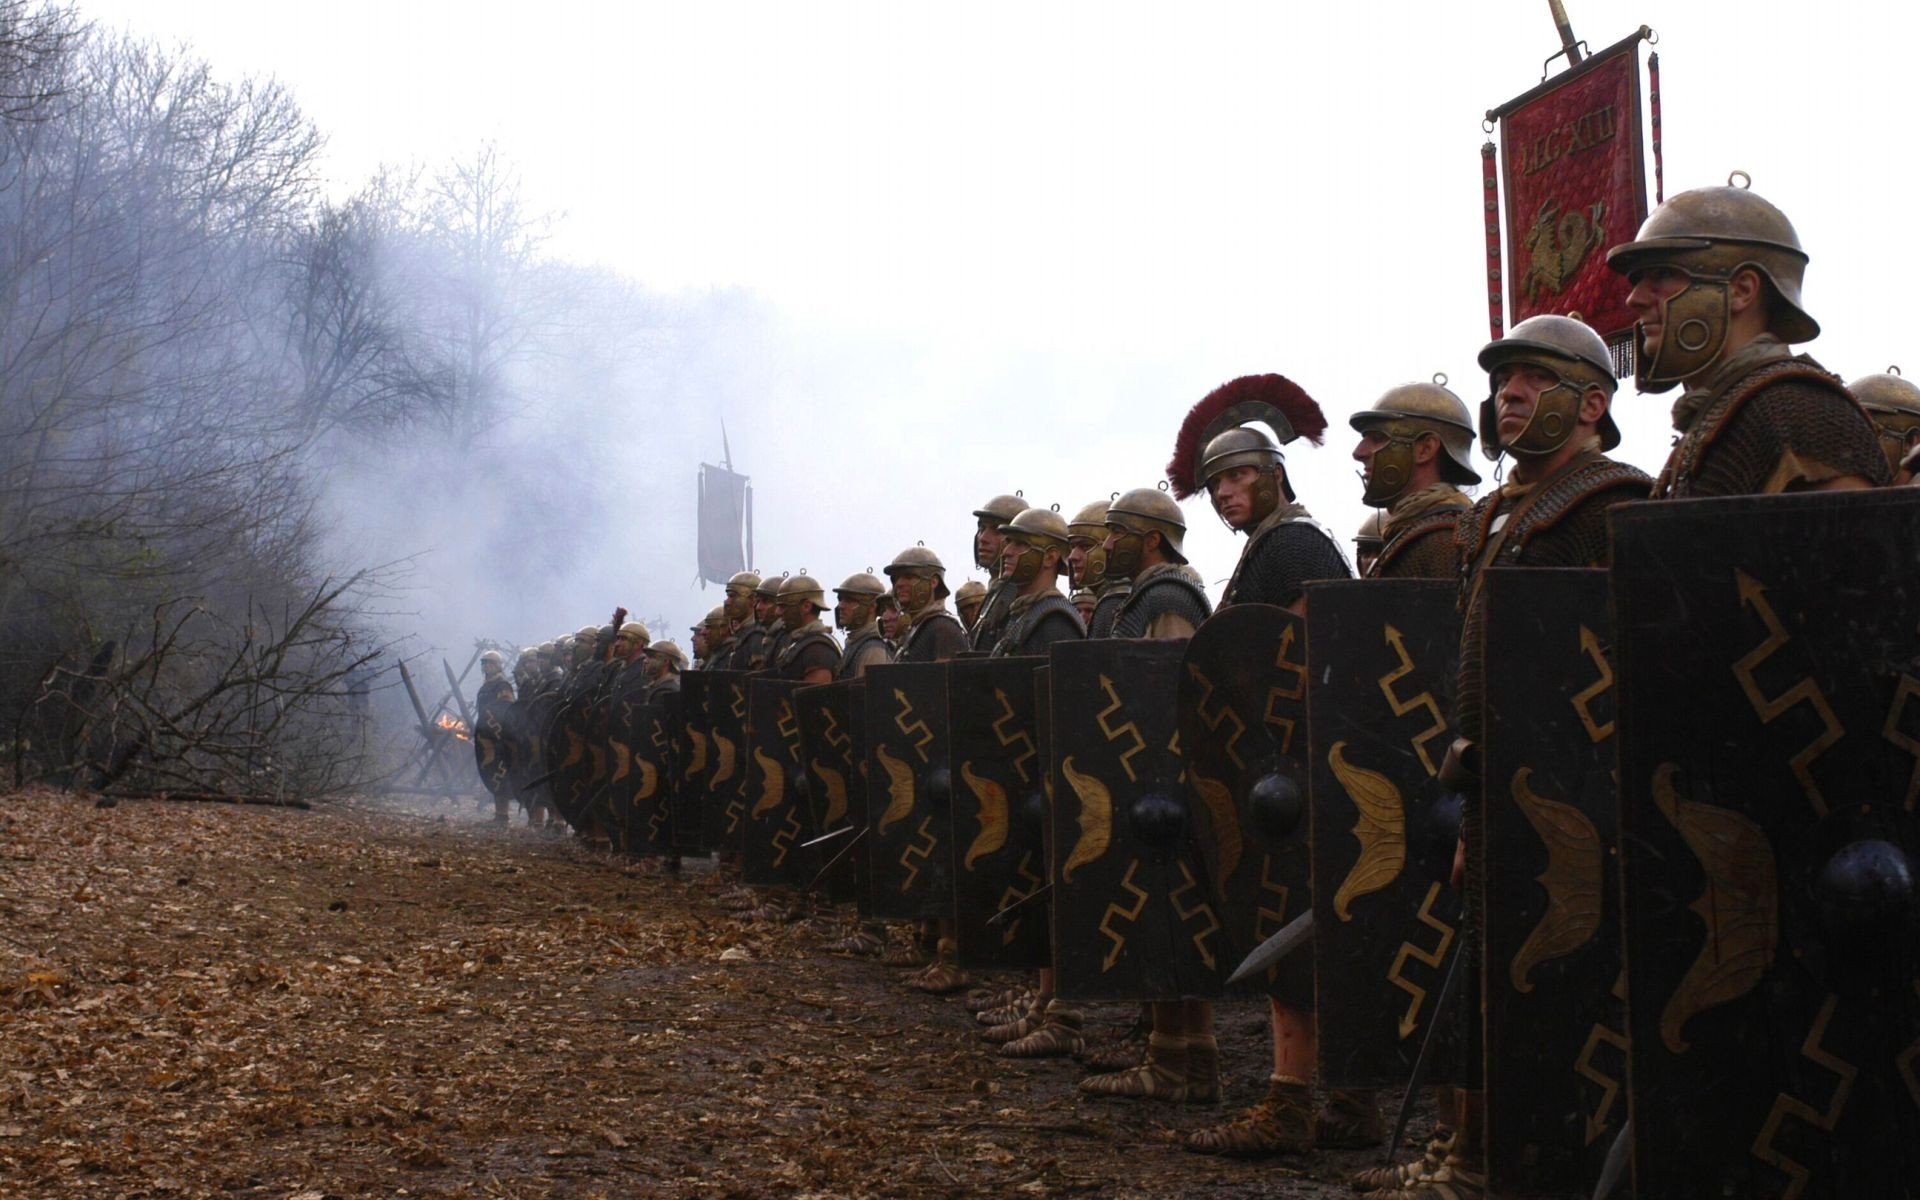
{"x": 1422, "y": 502}
{"x": 1757, "y": 353}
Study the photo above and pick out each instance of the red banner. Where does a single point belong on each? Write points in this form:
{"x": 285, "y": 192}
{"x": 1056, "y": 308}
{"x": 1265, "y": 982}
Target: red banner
{"x": 1575, "y": 185}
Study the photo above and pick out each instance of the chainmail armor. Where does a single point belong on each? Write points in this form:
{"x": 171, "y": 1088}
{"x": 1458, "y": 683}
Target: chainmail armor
{"x": 1789, "y": 407}
{"x": 1166, "y": 589}
{"x": 993, "y": 615}
{"x": 809, "y": 648}
{"x": 1281, "y": 560}
{"x": 933, "y": 638}
{"x": 1112, "y": 596}
{"x": 865, "y": 647}
{"x": 1032, "y": 627}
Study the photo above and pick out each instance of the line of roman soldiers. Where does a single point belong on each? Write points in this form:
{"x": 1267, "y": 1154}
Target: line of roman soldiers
{"x": 1419, "y": 793}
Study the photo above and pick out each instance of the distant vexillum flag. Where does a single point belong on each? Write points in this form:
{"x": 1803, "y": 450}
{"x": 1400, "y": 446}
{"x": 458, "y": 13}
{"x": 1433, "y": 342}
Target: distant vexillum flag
{"x": 726, "y": 523}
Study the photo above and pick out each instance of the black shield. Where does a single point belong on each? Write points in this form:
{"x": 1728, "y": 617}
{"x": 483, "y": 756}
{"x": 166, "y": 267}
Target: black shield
{"x": 492, "y": 749}
{"x": 1243, "y": 722}
{"x": 1769, "y": 679}
{"x": 1133, "y": 911}
{"x": 650, "y": 800}
{"x": 695, "y": 745}
{"x": 627, "y": 772}
{"x": 999, "y": 855}
{"x": 776, "y": 820}
{"x": 909, "y": 791}
{"x": 1555, "y": 1017}
{"x": 727, "y": 759}
{"x": 1381, "y": 658}
{"x": 828, "y": 750}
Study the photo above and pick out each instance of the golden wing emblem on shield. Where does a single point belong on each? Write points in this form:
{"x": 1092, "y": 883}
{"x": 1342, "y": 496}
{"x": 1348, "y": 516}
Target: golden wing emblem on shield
{"x": 649, "y": 780}
{"x": 1381, "y": 831}
{"x": 1096, "y": 819}
{"x": 1225, "y": 819}
{"x": 993, "y": 815}
{"x": 1571, "y": 880}
{"x": 1739, "y": 906}
{"x": 697, "y": 760}
{"x": 723, "y": 754}
{"x": 836, "y": 785}
{"x": 899, "y": 788}
{"x": 622, "y": 760}
{"x": 773, "y": 783}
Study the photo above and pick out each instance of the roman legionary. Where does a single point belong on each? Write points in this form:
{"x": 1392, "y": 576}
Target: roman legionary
{"x": 808, "y": 653}
{"x": 1716, "y": 278}
{"x": 1032, "y": 559}
{"x": 1088, "y": 559}
{"x": 1415, "y": 455}
{"x": 967, "y": 602}
{"x": 718, "y": 627}
{"x": 854, "y": 615}
{"x": 738, "y": 606}
{"x": 893, "y": 620}
{"x": 1084, "y": 602}
{"x": 1244, "y": 475}
{"x": 1167, "y": 598}
{"x": 920, "y": 585}
{"x": 663, "y": 662}
{"x": 754, "y": 634}
{"x": 1551, "y": 386}
{"x": 1894, "y": 405}
{"x": 932, "y": 635}
{"x": 1145, "y": 546}
{"x": 988, "y": 541}
{"x": 492, "y": 745}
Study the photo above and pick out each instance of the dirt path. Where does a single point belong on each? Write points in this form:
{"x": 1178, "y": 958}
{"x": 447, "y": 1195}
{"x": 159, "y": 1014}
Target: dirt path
{"x": 367, "y": 1000}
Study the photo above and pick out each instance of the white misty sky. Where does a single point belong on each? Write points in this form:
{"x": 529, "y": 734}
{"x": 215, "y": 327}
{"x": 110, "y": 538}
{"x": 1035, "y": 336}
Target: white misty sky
{"x": 1073, "y": 220}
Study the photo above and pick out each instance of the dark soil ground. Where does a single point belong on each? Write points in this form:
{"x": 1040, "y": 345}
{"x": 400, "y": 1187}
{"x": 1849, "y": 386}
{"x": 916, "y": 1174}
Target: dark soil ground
{"x": 368, "y": 999}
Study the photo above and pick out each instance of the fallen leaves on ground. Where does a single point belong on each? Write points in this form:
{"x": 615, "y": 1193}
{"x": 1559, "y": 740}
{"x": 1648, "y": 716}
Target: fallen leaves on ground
{"x": 371, "y": 999}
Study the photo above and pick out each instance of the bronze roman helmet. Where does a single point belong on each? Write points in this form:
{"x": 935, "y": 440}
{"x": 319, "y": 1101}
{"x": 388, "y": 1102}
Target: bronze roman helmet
{"x": 802, "y": 589}
{"x": 919, "y": 578}
{"x": 1894, "y": 405}
{"x": 675, "y": 657}
{"x": 858, "y": 591}
{"x": 740, "y": 589}
{"x": 1032, "y": 533}
{"x": 493, "y": 663}
{"x": 1371, "y": 538}
{"x": 719, "y": 626}
{"x": 1088, "y": 529}
{"x": 1575, "y": 355}
{"x": 1712, "y": 234}
{"x": 1135, "y": 515}
{"x": 632, "y": 635}
{"x": 999, "y": 510}
{"x": 1402, "y": 416}
{"x": 971, "y": 592}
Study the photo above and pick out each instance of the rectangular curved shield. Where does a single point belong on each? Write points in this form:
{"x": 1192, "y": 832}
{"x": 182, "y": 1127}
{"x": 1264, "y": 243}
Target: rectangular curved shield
{"x": 1243, "y": 722}
{"x": 999, "y": 855}
{"x": 692, "y": 833}
{"x": 1555, "y": 1047}
{"x": 908, "y": 791}
{"x": 776, "y": 821}
{"x": 1132, "y": 908}
{"x": 1381, "y": 660}
{"x": 1769, "y": 730}
{"x": 832, "y": 776}
{"x": 727, "y": 760}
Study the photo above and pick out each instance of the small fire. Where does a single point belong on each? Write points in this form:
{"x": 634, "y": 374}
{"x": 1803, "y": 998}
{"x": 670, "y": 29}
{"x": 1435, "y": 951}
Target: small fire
{"x": 455, "y": 726}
